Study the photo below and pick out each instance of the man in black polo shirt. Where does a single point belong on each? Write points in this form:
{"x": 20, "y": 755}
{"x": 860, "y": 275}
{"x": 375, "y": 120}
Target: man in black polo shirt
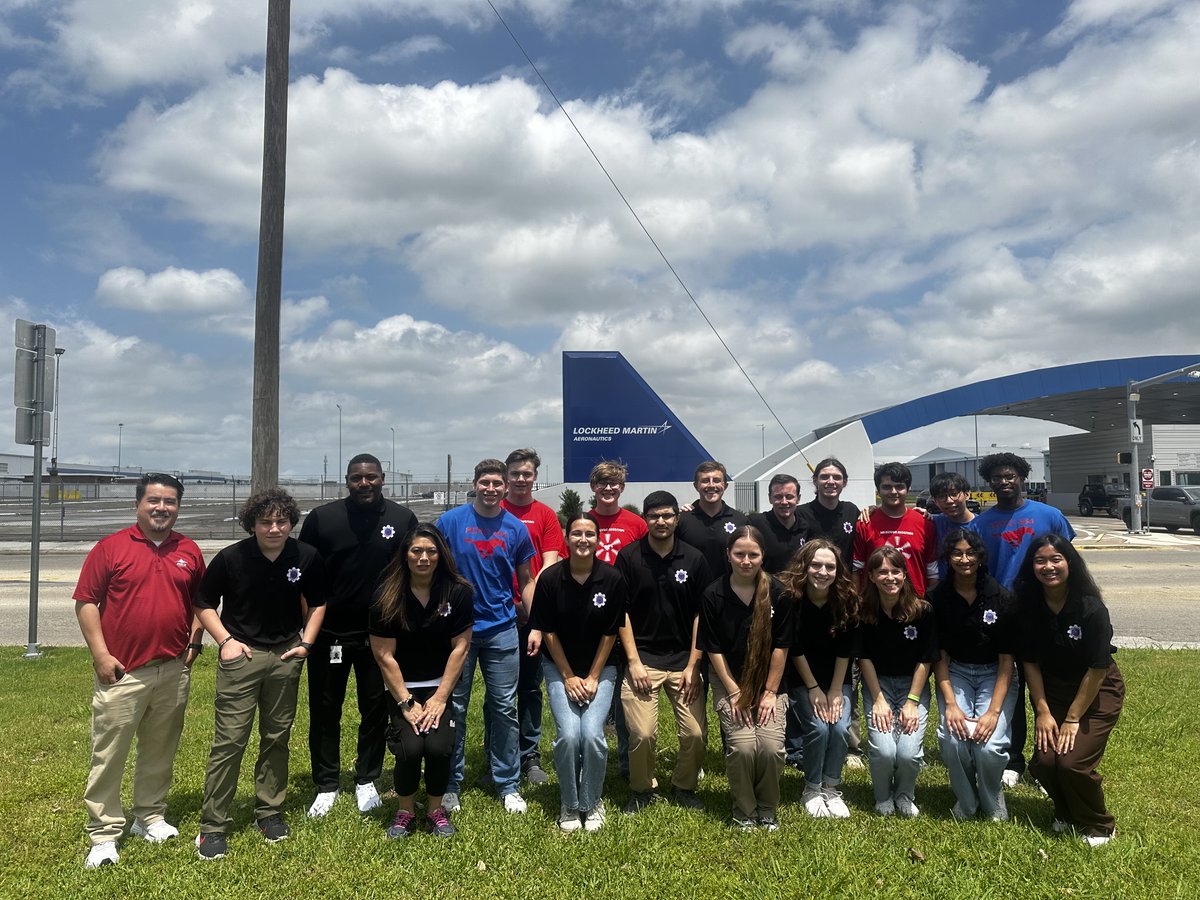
{"x": 355, "y": 537}
{"x": 708, "y": 524}
{"x": 263, "y": 585}
{"x": 829, "y": 516}
{"x": 780, "y": 527}
{"x": 666, "y": 578}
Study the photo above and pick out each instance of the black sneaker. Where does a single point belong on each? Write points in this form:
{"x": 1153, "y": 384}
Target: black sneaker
{"x": 403, "y": 825}
{"x": 639, "y": 800}
{"x": 273, "y": 828}
{"x": 212, "y": 844}
{"x": 535, "y": 774}
{"x": 687, "y": 799}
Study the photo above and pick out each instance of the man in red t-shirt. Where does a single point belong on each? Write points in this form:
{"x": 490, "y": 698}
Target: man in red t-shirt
{"x": 618, "y": 527}
{"x": 549, "y": 546}
{"x": 912, "y": 532}
{"x": 134, "y": 605}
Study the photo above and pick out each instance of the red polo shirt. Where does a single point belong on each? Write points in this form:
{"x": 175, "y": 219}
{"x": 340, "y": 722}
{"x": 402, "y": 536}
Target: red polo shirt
{"x": 144, "y": 593}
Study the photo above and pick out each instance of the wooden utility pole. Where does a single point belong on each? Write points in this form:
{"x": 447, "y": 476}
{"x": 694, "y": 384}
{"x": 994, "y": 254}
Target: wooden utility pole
{"x": 264, "y": 463}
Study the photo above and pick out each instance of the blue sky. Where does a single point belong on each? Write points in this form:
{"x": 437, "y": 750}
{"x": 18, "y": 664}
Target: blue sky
{"x": 872, "y": 201}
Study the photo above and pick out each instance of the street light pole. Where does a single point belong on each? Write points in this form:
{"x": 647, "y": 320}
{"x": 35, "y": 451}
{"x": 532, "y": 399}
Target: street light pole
{"x": 392, "y": 429}
{"x": 120, "y": 434}
{"x": 339, "y": 406}
{"x": 763, "y": 430}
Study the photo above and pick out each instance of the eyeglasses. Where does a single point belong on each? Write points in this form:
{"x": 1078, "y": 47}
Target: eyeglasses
{"x": 660, "y": 517}
{"x": 610, "y": 485}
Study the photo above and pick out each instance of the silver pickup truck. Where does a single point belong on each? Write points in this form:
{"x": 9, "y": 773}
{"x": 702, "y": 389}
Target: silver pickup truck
{"x": 1171, "y": 508}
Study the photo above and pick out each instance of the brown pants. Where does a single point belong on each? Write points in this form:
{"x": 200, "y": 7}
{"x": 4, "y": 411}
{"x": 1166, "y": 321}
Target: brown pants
{"x": 641, "y": 716}
{"x": 754, "y": 757}
{"x": 1071, "y": 779}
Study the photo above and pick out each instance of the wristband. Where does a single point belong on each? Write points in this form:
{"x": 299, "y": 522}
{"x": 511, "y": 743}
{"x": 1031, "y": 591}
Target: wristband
{"x": 199, "y": 648}
{"x": 307, "y": 646}
{"x": 812, "y": 687}
{"x": 224, "y": 642}
{"x": 914, "y": 698}
{"x": 1070, "y": 721}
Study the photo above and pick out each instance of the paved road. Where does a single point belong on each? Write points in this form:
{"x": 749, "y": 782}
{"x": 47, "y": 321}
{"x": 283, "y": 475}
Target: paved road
{"x": 1151, "y": 583}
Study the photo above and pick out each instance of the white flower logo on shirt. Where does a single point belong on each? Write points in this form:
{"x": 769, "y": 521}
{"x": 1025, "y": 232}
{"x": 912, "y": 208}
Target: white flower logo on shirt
{"x": 1074, "y": 632}
{"x": 293, "y": 574}
{"x": 388, "y": 532}
{"x": 598, "y": 600}
{"x": 847, "y": 527}
{"x": 681, "y": 576}
{"x": 730, "y": 528}
{"x": 444, "y": 608}
{"x": 989, "y": 617}
{"x": 910, "y": 632}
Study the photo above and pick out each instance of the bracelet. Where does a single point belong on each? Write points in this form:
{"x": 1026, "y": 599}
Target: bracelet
{"x": 812, "y": 687}
{"x": 1070, "y": 721}
{"x": 199, "y": 648}
{"x": 224, "y": 642}
{"x": 307, "y": 645}
{"x": 914, "y": 698}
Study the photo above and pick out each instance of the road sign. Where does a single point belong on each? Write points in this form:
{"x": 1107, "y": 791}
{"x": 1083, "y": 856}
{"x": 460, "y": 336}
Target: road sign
{"x": 25, "y": 381}
{"x": 27, "y": 430}
{"x": 1147, "y": 479}
{"x": 1136, "y": 435}
{"x": 26, "y": 335}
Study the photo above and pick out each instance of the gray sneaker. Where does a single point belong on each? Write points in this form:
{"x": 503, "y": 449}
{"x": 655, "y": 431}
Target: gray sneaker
{"x": 450, "y": 801}
{"x": 535, "y": 774}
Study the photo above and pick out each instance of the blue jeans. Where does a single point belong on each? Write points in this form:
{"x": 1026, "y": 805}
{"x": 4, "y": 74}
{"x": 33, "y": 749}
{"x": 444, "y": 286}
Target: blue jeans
{"x": 975, "y": 769}
{"x": 824, "y": 746}
{"x": 580, "y": 748}
{"x": 499, "y": 659}
{"x": 895, "y": 757}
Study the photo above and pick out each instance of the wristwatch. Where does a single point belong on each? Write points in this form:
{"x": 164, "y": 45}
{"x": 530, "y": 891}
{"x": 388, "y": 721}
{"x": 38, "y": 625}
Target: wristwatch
{"x": 409, "y": 703}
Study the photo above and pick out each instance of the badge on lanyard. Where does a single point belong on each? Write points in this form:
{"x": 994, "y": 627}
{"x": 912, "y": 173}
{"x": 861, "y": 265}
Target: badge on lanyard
{"x": 335, "y": 653}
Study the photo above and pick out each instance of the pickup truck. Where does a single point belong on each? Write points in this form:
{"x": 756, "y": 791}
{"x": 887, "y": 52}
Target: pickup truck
{"x": 1171, "y": 508}
{"x": 1101, "y": 497}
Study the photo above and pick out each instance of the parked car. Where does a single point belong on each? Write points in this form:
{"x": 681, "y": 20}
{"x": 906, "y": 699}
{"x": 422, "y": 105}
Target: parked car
{"x": 1171, "y": 507}
{"x": 1101, "y": 497}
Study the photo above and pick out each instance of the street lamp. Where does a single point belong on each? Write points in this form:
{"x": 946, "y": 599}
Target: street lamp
{"x": 392, "y": 429}
{"x": 763, "y": 430}
{"x": 120, "y": 433}
{"x": 339, "y": 406}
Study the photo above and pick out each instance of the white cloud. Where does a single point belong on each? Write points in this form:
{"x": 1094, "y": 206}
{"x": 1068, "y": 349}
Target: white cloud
{"x": 172, "y": 291}
{"x": 1083, "y": 15}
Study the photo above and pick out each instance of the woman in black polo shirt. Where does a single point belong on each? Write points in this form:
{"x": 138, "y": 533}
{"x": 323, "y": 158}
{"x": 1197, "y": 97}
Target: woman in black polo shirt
{"x": 421, "y": 619}
{"x": 822, "y": 651}
{"x": 976, "y": 627}
{"x": 898, "y": 649}
{"x": 578, "y": 606}
{"x": 1074, "y": 686}
{"x": 746, "y": 628}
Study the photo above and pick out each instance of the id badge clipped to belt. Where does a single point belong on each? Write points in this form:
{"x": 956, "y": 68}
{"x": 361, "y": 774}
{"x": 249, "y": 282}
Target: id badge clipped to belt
{"x": 335, "y": 654}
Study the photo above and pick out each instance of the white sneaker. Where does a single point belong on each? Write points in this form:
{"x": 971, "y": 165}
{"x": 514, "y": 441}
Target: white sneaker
{"x": 160, "y": 831}
{"x": 513, "y": 803}
{"x": 568, "y": 819}
{"x": 834, "y": 803}
{"x": 595, "y": 817}
{"x": 367, "y": 797}
{"x": 814, "y": 803}
{"x": 322, "y": 804}
{"x": 102, "y": 854}
{"x": 1010, "y": 778}
{"x": 885, "y": 808}
{"x": 854, "y": 761}
{"x": 1098, "y": 840}
{"x": 450, "y": 802}
{"x": 1001, "y": 813}
{"x": 906, "y": 808}
{"x": 1059, "y": 826}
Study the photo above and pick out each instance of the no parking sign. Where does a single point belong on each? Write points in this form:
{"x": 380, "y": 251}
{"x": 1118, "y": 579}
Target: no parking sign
{"x": 1147, "y": 479}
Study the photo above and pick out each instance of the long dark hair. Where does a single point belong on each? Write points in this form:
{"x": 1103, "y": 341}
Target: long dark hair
{"x": 909, "y": 608}
{"x": 1080, "y": 583}
{"x": 975, "y": 542}
{"x": 843, "y": 598}
{"x": 758, "y": 645}
{"x": 395, "y": 584}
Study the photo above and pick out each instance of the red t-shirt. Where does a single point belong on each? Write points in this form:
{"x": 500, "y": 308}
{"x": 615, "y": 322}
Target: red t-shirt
{"x": 544, "y": 530}
{"x": 915, "y": 536}
{"x": 617, "y": 531}
{"x": 144, "y": 594}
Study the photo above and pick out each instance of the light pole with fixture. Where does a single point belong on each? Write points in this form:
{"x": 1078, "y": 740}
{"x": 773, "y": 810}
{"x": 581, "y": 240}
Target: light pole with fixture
{"x": 339, "y": 406}
{"x": 120, "y": 435}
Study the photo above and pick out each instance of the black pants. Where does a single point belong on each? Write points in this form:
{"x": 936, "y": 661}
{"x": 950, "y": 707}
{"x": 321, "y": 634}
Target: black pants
{"x": 326, "y": 695}
{"x": 436, "y": 748}
{"x": 1020, "y": 725}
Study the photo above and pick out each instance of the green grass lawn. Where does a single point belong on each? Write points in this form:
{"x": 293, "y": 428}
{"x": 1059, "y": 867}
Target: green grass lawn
{"x": 1152, "y": 780}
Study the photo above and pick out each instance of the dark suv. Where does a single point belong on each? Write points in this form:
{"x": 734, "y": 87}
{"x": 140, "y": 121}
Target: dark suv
{"x": 1104, "y": 497}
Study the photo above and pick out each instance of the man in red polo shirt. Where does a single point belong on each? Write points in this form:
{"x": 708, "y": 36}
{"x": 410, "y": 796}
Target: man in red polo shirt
{"x": 134, "y": 605}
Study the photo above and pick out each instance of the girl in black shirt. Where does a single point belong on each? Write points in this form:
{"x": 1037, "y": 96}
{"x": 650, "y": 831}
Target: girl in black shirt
{"x": 1074, "y": 686}
{"x": 422, "y": 617}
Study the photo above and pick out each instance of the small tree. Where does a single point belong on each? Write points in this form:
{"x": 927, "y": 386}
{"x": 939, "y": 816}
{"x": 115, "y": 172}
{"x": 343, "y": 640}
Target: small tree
{"x": 571, "y": 506}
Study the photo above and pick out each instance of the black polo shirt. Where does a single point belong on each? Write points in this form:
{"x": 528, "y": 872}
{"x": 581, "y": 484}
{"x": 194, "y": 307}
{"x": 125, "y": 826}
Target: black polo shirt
{"x": 423, "y": 647}
{"x": 895, "y": 648}
{"x": 260, "y": 599}
{"x": 664, "y": 600}
{"x": 820, "y": 649}
{"x": 782, "y": 541}
{"x": 1066, "y": 645}
{"x": 356, "y": 542}
{"x": 835, "y": 524}
{"x": 580, "y": 615}
{"x": 725, "y": 622}
{"x": 976, "y": 632}
{"x": 710, "y": 534}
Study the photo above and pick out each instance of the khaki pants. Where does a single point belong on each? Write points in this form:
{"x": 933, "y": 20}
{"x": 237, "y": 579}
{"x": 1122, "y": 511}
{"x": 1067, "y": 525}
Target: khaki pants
{"x": 268, "y": 685}
{"x": 754, "y": 757}
{"x": 149, "y": 703}
{"x": 641, "y": 716}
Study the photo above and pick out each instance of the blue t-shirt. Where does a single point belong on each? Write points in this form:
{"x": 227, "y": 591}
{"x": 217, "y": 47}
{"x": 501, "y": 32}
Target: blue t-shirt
{"x": 487, "y": 552}
{"x": 944, "y": 525}
{"x": 1007, "y": 534}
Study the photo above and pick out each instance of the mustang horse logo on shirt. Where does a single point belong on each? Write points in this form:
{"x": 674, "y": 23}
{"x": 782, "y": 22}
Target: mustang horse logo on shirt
{"x": 486, "y": 546}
